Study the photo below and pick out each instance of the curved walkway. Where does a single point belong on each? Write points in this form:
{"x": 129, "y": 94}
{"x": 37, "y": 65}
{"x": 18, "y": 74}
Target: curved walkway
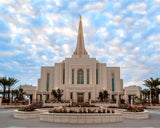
{"x": 7, "y": 120}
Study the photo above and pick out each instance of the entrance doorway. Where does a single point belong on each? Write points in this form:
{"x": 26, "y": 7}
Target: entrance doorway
{"x": 80, "y": 97}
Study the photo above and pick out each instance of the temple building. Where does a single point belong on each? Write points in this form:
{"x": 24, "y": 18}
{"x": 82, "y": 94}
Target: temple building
{"x": 80, "y": 77}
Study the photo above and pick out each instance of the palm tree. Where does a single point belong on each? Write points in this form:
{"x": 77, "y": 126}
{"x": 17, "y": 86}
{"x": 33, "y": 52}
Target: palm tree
{"x": 57, "y": 94}
{"x": 11, "y": 82}
{"x": 153, "y": 84}
{"x": 15, "y": 93}
{"x": 105, "y": 95}
{"x": 4, "y": 83}
{"x": 146, "y": 94}
{"x": 54, "y": 93}
{"x": 101, "y": 96}
{"x": 21, "y": 93}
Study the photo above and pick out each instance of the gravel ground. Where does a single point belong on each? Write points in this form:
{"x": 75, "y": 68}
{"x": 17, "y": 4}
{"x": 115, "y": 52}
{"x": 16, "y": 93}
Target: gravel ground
{"x": 7, "y": 120}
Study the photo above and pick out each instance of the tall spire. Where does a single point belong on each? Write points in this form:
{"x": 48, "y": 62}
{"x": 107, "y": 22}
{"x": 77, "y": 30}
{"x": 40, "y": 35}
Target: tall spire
{"x": 80, "y": 49}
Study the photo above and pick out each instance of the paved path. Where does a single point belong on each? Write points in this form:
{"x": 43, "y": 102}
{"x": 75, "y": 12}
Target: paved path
{"x": 7, "y": 120}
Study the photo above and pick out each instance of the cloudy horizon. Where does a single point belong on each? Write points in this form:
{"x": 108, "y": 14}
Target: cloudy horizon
{"x": 35, "y": 33}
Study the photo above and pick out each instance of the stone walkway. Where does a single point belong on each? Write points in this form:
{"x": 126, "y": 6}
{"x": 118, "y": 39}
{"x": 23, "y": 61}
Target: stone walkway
{"x": 7, "y": 120}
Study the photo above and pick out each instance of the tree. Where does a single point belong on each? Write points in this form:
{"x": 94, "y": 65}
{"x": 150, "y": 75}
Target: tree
{"x": 103, "y": 95}
{"x": 57, "y": 94}
{"x": 4, "y": 83}
{"x": 146, "y": 94}
{"x": 15, "y": 93}
{"x": 11, "y": 82}
{"x": 54, "y": 93}
{"x": 153, "y": 85}
{"x": 20, "y": 95}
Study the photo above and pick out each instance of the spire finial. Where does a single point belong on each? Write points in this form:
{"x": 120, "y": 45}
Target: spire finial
{"x": 80, "y": 17}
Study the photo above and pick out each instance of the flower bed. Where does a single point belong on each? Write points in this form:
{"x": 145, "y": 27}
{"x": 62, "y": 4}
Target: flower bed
{"x": 80, "y": 110}
{"x": 27, "y": 108}
{"x": 80, "y": 105}
{"x": 32, "y": 108}
{"x": 135, "y": 109}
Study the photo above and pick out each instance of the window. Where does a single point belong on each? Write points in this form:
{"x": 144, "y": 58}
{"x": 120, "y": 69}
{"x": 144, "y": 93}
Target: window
{"x": 96, "y": 76}
{"x": 112, "y": 82}
{"x": 89, "y": 96}
{"x": 72, "y": 76}
{"x": 87, "y": 76}
{"x": 63, "y": 76}
{"x": 71, "y": 95}
{"x": 47, "y": 81}
{"x": 80, "y": 76}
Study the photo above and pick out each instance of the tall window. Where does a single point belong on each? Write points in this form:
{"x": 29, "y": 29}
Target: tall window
{"x": 87, "y": 76}
{"x": 112, "y": 82}
{"x": 47, "y": 81}
{"x": 96, "y": 76}
{"x": 80, "y": 76}
{"x": 72, "y": 76}
{"x": 63, "y": 76}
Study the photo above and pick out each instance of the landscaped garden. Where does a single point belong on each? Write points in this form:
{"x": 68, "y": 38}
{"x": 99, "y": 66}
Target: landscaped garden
{"x": 80, "y": 110}
{"x": 32, "y": 108}
{"x": 135, "y": 109}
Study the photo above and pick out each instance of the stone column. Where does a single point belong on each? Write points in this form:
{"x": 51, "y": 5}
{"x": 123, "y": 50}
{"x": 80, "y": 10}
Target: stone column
{"x": 11, "y": 97}
{"x": 70, "y": 101}
{"x": 126, "y": 99}
{"x": 132, "y": 101}
{"x": 117, "y": 100}
{"x": 110, "y": 96}
{"x": 43, "y": 99}
{"x": 0, "y": 101}
{"x": 90, "y": 101}
{"x": 36, "y": 98}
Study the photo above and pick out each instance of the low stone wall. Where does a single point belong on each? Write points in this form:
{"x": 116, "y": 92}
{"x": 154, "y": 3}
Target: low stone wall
{"x": 136, "y": 115}
{"x": 78, "y": 118}
{"x": 77, "y": 108}
{"x": 28, "y": 115}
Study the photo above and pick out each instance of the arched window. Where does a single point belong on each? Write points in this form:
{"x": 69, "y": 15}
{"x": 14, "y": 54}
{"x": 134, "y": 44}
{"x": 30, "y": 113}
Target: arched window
{"x": 80, "y": 76}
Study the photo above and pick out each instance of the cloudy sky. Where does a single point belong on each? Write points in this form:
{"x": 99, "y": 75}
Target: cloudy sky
{"x": 35, "y": 33}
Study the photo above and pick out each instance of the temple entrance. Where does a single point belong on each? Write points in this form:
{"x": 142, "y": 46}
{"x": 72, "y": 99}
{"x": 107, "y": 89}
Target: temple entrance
{"x": 80, "y": 97}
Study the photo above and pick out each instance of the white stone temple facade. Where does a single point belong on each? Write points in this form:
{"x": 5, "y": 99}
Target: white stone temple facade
{"x": 80, "y": 77}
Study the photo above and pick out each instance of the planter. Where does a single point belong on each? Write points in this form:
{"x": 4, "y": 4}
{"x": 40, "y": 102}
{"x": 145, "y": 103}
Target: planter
{"x": 78, "y": 118}
{"x": 28, "y": 115}
{"x": 77, "y": 108}
{"x": 136, "y": 115}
